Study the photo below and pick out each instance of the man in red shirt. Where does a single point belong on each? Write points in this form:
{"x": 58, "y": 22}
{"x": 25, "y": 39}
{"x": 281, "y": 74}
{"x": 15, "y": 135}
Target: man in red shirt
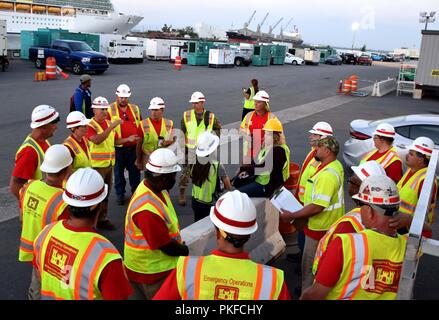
{"x": 385, "y": 154}
{"x": 73, "y": 261}
{"x": 30, "y": 155}
{"x": 236, "y": 277}
{"x": 121, "y": 109}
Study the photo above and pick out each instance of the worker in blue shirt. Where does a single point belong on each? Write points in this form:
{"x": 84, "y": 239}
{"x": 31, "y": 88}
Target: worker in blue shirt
{"x": 81, "y": 99}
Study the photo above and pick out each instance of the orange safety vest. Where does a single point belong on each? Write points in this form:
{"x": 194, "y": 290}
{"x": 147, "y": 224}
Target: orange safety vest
{"x": 113, "y": 111}
{"x": 308, "y": 169}
{"x": 102, "y": 155}
{"x": 82, "y": 158}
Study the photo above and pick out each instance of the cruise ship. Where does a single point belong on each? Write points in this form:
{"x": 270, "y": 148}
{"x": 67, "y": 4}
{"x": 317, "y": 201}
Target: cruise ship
{"x": 87, "y": 16}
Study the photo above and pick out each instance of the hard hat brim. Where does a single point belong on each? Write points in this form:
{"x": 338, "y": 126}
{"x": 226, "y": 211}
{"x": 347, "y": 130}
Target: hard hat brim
{"x": 375, "y": 133}
{"x": 230, "y": 229}
{"x": 82, "y": 123}
{"x": 171, "y": 169}
{"x": 35, "y": 125}
{"x": 156, "y": 107}
{"x": 196, "y": 100}
{"x": 123, "y": 95}
{"x": 84, "y": 204}
{"x": 48, "y": 169}
{"x": 358, "y": 173}
{"x": 205, "y": 153}
{"x": 94, "y": 106}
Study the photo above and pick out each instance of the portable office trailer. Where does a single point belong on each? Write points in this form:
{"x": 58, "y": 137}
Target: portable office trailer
{"x": 160, "y": 49}
{"x": 312, "y": 56}
{"x": 427, "y": 73}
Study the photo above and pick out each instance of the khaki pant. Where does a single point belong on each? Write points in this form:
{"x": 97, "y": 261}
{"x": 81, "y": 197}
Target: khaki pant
{"x": 107, "y": 175}
{"x": 308, "y": 255}
{"x": 34, "y": 292}
{"x": 144, "y": 291}
{"x": 190, "y": 158}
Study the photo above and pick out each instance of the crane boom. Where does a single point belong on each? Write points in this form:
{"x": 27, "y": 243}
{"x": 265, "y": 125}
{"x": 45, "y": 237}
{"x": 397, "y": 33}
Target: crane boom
{"x": 246, "y": 24}
{"x": 262, "y": 23}
{"x": 274, "y": 27}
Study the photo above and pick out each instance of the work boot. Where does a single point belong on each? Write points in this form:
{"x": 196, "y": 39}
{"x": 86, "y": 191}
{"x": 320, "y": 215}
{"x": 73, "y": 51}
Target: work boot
{"x": 182, "y": 197}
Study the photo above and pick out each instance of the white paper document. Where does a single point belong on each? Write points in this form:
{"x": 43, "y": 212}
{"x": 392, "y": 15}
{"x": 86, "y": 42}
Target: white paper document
{"x": 283, "y": 199}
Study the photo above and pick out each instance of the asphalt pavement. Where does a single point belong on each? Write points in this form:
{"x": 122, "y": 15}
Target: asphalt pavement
{"x": 301, "y": 94}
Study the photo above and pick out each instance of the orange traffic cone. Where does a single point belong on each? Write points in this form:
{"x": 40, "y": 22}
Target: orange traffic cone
{"x": 62, "y": 73}
{"x": 36, "y": 76}
{"x": 43, "y": 76}
{"x": 177, "y": 63}
{"x": 340, "y": 87}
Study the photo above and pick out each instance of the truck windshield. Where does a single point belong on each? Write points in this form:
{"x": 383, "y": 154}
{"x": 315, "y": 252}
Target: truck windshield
{"x": 80, "y": 46}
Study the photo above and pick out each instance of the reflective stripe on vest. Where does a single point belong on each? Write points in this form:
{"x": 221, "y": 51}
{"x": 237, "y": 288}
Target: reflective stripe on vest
{"x": 139, "y": 257}
{"x": 41, "y": 205}
{"x": 305, "y": 172}
{"x": 353, "y": 217}
{"x": 264, "y": 288}
{"x": 335, "y": 209}
{"x": 193, "y": 130}
{"x": 80, "y": 280}
{"x": 82, "y": 158}
{"x": 151, "y": 137}
{"x": 102, "y": 155}
{"x": 30, "y": 142}
{"x": 250, "y": 103}
{"x": 208, "y": 187}
{"x": 264, "y": 177}
{"x": 389, "y": 157}
{"x": 113, "y": 111}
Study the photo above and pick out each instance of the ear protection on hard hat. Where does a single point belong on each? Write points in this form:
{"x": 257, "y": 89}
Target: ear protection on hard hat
{"x": 237, "y": 242}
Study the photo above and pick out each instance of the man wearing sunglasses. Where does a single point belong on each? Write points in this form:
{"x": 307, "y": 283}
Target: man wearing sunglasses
{"x": 30, "y": 155}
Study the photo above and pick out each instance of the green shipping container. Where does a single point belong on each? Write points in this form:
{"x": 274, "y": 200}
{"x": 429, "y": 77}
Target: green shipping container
{"x": 198, "y": 53}
{"x": 261, "y": 55}
{"x": 278, "y": 53}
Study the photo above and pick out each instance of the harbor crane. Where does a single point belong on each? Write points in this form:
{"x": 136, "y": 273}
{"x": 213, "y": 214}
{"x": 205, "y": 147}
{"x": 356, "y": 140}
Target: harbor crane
{"x": 262, "y": 23}
{"x": 274, "y": 27}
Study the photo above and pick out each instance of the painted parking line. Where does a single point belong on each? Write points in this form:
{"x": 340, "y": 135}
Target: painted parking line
{"x": 9, "y": 205}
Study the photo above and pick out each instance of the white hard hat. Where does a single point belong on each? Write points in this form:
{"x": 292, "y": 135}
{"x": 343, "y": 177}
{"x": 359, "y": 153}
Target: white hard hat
{"x": 385, "y": 130}
{"x": 207, "y": 143}
{"x": 234, "y": 213}
{"x": 379, "y": 190}
{"x": 76, "y": 119}
{"x": 197, "y": 96}
{"x": 163, "y": 161}
{"x": 368, "y": 168}
{"x": 56, "y": 158}
{"x": 100, "y": 103}
{"x": 123, "y": 91}
{"x": 423, "y": 145}
{"x": 42, "y": 115}
{"x": 85, "y": 188}
{"x": 322, "y": 128}
{"x": 262, "y": 96}
{"x": 156, "y": 103}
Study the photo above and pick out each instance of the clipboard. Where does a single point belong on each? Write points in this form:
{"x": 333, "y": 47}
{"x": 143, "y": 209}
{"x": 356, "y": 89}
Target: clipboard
{"x": 283, "y": 199}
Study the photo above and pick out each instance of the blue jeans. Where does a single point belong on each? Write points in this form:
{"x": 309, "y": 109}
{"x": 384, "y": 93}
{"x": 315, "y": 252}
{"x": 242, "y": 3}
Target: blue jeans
{"x": 125, "y": 159}
{"x": 254, "y": 190}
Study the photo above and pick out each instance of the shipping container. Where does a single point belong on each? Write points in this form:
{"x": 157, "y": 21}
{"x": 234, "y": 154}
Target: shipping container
{"x": 160, "y": 49}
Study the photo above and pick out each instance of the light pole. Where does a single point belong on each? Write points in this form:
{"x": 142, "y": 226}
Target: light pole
{"x": 426, "y": 18}
{"x": 355, "y": 27}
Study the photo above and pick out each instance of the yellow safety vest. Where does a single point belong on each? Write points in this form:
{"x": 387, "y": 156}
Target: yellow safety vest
{"x": 41, "y": 205}
{"x": 102, "y": 155}
{"x": 113, "y": 111}
{"x": 372, "y": 265}
{"x": 82, "y": 158}
{"x": 150, "y": 136}
{"x": 221, "y": 278}
{"x": 206, "y": 191}
{"x": 325, "y": 188}
{"x": 250, "y": 103}
{"x": 408, "y": 193}
{"x": 139, "y": 257}
{"x": 193, "y": 130}
{"x": 264, "y": 178}
{"x": 389, "y": 157}
{"x": 308, "y": 169}
{"x": 353, "y": 217}
{"x": 70, "y": 263}
{"x": 30, "y": 142}
{"x": 245, "y": 128}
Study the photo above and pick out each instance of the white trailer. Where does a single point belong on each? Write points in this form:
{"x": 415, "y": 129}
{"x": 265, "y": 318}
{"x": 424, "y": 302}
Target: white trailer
{"x": 222, "y": 58}
{"x": 312, "y": 56}
{"x": 179, "y": 51}
{"x": 4, "y": 62}
{"x": 125, "y": 51}
{"x": 160, "y": 49}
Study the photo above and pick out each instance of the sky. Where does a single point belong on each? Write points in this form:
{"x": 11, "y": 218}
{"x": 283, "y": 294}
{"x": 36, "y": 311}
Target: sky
{"x": 384, "y": 24}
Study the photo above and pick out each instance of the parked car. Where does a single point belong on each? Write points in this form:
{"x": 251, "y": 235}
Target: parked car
{"x": 407, "y": 128}
{"x": 365, "y": 60}
{"x": 77, "y": 55}
{"x": 349, "y": 58}
{"x": 377, "y": 57}
{"x": 243, "y": 56}
{"x": 398, "y": 57}
{"x": 387, "y": 58}
{"x": 334, "y": 59}
{"x": 292, "y": 59}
